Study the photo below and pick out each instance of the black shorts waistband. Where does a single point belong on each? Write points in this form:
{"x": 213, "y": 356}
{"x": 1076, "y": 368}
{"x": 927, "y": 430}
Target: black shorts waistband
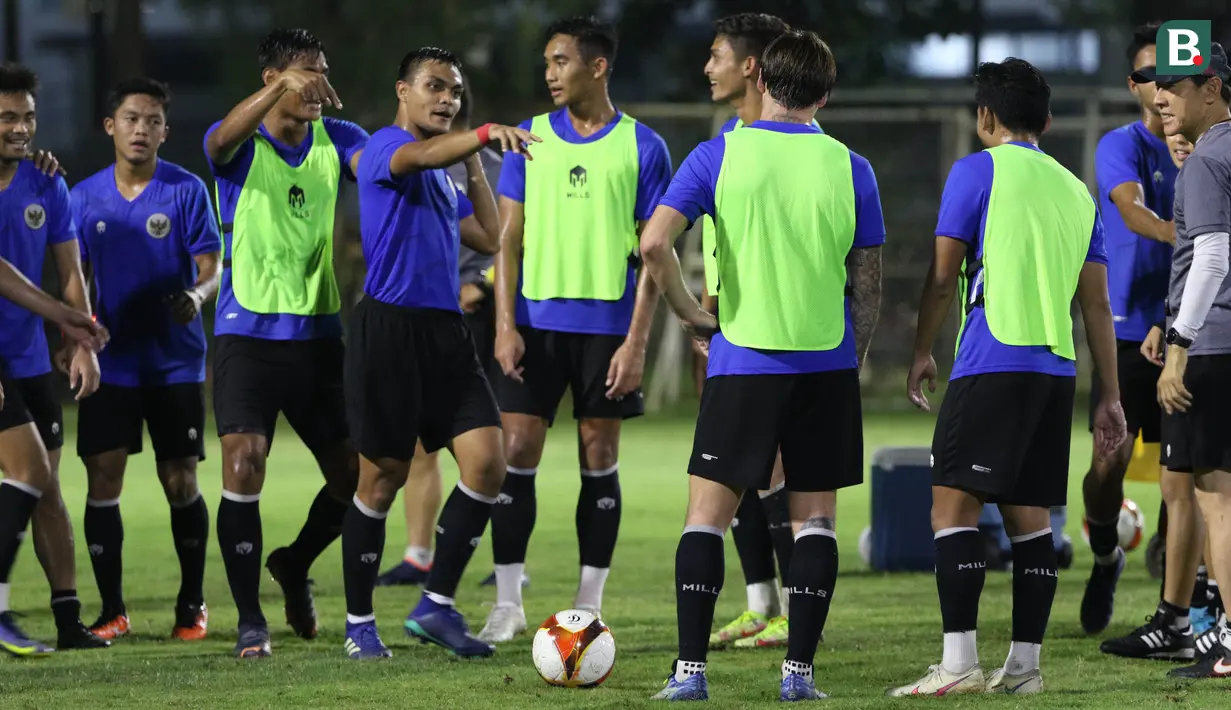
{"x": 434, "y": 314}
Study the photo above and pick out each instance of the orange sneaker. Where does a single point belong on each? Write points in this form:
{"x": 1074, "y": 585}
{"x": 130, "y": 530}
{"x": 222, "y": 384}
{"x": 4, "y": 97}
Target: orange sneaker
{"x": 111, "y": 627}
{"x": 191, "y": 623}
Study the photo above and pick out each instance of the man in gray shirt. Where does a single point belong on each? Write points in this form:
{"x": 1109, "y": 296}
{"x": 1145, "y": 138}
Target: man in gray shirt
{"x": 1195, "y": 387}
{"x": 421, "y": 495}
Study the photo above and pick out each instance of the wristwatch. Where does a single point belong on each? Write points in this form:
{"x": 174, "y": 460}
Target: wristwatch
{"x": 1174, "y": 338}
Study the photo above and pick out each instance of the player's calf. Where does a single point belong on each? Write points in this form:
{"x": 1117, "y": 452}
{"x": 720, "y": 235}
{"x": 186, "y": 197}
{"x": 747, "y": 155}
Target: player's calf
{"x": 190, "y": 532}
{"x": 810, "y": 583}
{"x": 104, "y": 536}
{"x": 240, "y": 536}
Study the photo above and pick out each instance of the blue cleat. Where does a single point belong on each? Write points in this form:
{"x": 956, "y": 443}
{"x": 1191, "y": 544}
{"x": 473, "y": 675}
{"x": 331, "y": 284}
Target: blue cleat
{"x": 1201, "y": 619}
{"x": 404, "y": 574}
{"x": 795, "y": 687}
{"x": 444, "y": 626}
{"x": 490, "y": 580}
{"x": 363, "y": 643}
{"x": 14, "y": 640}
{"x": 694, "y": 687}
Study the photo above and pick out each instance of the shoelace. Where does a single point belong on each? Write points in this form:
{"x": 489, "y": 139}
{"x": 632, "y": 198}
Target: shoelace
{"x": 368, "y": 638}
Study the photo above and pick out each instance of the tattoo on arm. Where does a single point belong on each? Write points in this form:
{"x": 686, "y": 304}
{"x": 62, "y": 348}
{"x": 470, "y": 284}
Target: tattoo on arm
{"x": 863, "y": 269}
{"x": 820, "y": 522}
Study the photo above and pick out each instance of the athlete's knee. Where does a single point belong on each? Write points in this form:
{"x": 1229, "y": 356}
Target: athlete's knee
{"x": 105, "y": 476}
{"x": 1179, "y": 489}
{"x": 523, "y": 440}
{"x": 244, "y": 463}
{"x": 600, "y": 442}
{"x": 380, "y": 482}
{"x": 179, "y": 481}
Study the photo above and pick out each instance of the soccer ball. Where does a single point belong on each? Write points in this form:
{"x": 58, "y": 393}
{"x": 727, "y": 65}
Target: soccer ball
{"x": 865, "y": 545}
{"x": 1131, "y": 526}
{"x": 574, "y": 649}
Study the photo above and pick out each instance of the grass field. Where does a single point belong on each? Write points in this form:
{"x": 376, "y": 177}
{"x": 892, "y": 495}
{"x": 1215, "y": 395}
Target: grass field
{"x": 883, "y": 629}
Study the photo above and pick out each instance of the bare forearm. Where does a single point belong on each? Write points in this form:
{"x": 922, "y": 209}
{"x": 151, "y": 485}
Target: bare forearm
{"x": 439, "y": 152}
{"x": 242, "y": 122}
{"x": 664, "y": 269}
{"x": 208, "y": 275}
{"x": 20, "y": 290}
{"x": 864, "y": 273}
{"x": 1142, "y": 220}
{"x": 508, "y": 262}
{"x": 643, "y": 309}
{"x": 67, "y": 256}
{"x": 1100, "y": 329}
{"x": 480, "y": 193}
{"x": 934, "y": 306}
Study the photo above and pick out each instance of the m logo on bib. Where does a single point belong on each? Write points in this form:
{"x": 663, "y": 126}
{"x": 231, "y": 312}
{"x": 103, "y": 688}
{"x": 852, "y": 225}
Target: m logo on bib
{"x": 296, "y": 198}
{"x": 158, "y": 225}
{"x": 35, "y": 216}
{"x": 577, "y": 177}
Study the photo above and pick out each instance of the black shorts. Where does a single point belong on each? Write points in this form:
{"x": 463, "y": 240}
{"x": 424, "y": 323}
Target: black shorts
{"x": 255, "y": 379}
{"x": 412, "y": 374}
{"x": 1005, "y": 436}
{"x": 33, "y": 399}
{"x": 482, "y": 324}
{"x": 816, "y": 419}
{"x": 1200, "y": 439}
{"x": 112, "y": 419}
{"x": 1138, "y": 392}
{"x": 555, "y": 361}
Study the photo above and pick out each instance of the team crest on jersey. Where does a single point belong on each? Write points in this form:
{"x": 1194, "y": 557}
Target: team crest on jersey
{"x": 100, "y": 227}
{"x": 1158, "y": 176}
{"x": 158, "y": 225}
{"x": 35, "y": 216}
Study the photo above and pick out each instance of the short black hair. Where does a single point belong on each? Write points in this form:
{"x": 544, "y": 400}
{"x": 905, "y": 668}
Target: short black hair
{"x": 18, "y": 78}
{"x": 595, "y": 38}
{"x": 1016, "y": 92}
{"x": 1224, "y": 93}
{"x": 139, "y": 86}
{"x": 798, "y": 69}
{"x": 281, "y": 47}
{"x": 750, "y": 32}
{"x": 417, "y": 58}
{"x": 1143, "y": 36}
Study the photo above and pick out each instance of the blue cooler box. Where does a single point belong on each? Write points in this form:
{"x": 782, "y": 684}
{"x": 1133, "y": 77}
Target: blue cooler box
{"x": 901, "y": 530}
{"x": 902, "y": 510}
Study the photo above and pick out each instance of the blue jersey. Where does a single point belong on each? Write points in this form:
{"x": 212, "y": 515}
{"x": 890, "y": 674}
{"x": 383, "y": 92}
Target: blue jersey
{"x": 1138, "y": 268}
{"x": 232, "y": 318}
{"x": 963, "y": 216}
{"x": 141, "y": 253}
{"x": 588, "y": 315}
{"x": 35, "y": 213}
{"x": 692, "y": 194}
{"x": 410, "y": 228}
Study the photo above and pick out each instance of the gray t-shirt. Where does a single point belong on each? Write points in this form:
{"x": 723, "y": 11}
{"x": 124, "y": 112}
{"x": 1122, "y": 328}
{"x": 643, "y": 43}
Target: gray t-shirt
{"x": 1203, "y": 206}
{"x": 471, "y": 263}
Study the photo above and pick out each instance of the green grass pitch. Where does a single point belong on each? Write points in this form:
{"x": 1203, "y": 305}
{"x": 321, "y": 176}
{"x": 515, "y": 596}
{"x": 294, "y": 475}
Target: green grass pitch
{"x": 883, "y": 629}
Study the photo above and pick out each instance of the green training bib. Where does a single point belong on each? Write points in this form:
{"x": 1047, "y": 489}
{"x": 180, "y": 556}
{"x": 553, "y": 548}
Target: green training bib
{"x": 707, "y": 238}
{"x": 282, "y": 239}
{"x": 581, "y": 199}
{"x": 1039, "y": 220}
{"x": 784, "y": 224}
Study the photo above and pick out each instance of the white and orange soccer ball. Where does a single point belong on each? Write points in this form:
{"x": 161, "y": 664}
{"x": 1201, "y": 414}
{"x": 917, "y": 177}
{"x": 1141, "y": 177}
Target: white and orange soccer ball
{"x": 574, "y": 649}
{"x": 1131, "y": 526}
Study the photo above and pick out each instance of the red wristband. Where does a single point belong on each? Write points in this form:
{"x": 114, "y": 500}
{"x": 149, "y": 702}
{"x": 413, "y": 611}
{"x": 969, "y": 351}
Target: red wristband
{"x": 483, "y": 132}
